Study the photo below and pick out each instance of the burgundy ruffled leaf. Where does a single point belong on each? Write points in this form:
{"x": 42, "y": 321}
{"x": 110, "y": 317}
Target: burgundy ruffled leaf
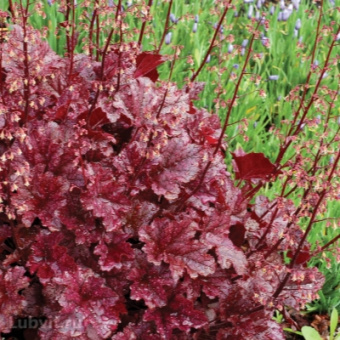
{"x": 179, "y": 164}
{"x": 44, "y": 197}
{"x": 105, "y": 197}
{"x": 146, "y": 64}
{"x": 140, "y": 331}
{"x": 227, "y": 253}
{"x": 113, "y": 251}
{"x": 174, "y": 243}
{"x": 12, "y": 281}
{"x": 153, "y": 284}
{"x": 253, "y": 166}
{"x": 179, "y": 313}
{"x": 258, "y": 325}
{"x": 88, "y": 307}
{"x": 48, "y": 258}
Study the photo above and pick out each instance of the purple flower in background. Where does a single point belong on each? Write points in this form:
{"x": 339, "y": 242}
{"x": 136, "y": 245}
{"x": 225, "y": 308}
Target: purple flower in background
{"x": 325, "y": 75}
{"x": 273, "y": 77}
{"x": 208, "y": 59}
{"x": 243, "y": 51}
{"x": 282, "y": 4}
{"x": 129, "y": 3}
{"x": 265, "y": 41}
{"x": 196, "y": 18}
{"x": 279, "y": 16}
{"x": 287, "y": 12}
{"x": 230, "y": 48}
{"x": 236, "y": 14}
{"x": 110, "y": 3}
{"x": 296, "y": 4}
{"x": 257, "y": 15}
{"x": 250, "y": 11}
{"x": 296, "y": 33}
{"x": 259, "y": 4}
{"x": 194, "y": 28}
{"x": 255, "y": 124}
{"x": 221, "y": 28}
{"x": 272, "y": 10}
{"x": 236, "y": 66}
{"x": 244, "y": 43}
{"x": 168, "y": 38}
{"x": 337, "y": 38}
{"x": 298, "y": 24}
{"x": 248, "y": 1}
{"x": 50, "y": 2}
{"x": 173, "y": 18}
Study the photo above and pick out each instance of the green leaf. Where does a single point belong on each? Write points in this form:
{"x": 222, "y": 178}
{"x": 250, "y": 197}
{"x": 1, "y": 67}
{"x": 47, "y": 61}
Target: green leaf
{"x": 310, "y": 333}
{"x": 334, "y": 323}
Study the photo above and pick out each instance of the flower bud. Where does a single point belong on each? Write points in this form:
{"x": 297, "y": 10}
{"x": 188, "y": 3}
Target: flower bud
{"x": 250, "y": 12}
{"x": 236, "y": 66}
{"x": 173, "y": 18}
{"x": 168, "y": 38}
{"x": 272, "y": 10}
{"x": 265, "y": 41}
{"x": 244, "y": 43}
{"x": 194, "y": 28}
{"x": 208, "y": 59}
{"x": 273, "y": 77}
{"x": 196, "y": 18}
{"x": 298, "y": 24}
{"x": 296, "y": 4}
{"x": 230, "y": 48}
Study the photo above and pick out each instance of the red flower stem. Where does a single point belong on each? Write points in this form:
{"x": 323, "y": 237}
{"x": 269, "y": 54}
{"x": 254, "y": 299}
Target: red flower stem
{"x": 67, "y": 28}
{"x": 212, "y": 43}
{"x": 11, "y": 9}
{"x": 101, "y": 75}
{"x": 328, "y": 244}
{"x": 165, "y": 26}
{"x": 97, "y": 37}
{"x": 219, "y": 143}
{"x": 308, "y": 229}
{"x": 141, "y": 34}
{"x": 284, "y": 148}
{"x": 309, "y": 73}
{"x": 72, "y": 43}
{"x": 94, "y": 14}
{"x": 26, "y": 80}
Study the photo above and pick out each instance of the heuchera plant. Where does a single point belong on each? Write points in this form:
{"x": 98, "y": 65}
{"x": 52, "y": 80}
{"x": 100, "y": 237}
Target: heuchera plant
{"x": 119, "y": 219}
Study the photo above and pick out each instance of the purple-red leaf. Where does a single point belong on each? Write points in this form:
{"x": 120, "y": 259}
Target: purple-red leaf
{"x": 179, "y": 313}
{"x": 174, "y": 243}
{"x": 253, "y": 166}
{"x": 146, "y": 64}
